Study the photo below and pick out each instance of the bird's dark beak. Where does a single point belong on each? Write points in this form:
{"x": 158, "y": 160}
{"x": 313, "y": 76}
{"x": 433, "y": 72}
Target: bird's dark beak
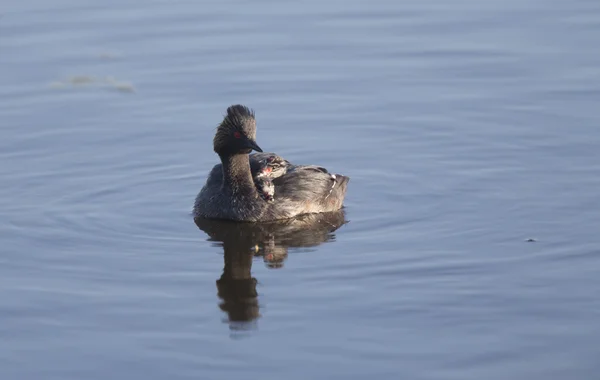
{"x": 252, "y": 145}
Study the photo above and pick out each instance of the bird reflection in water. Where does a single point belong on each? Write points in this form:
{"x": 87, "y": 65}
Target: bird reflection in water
{"x": 242, "y": 242}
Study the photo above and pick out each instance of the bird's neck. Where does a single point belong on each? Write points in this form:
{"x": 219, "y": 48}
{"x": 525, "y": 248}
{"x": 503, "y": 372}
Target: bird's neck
{"x": 237, "y": 175}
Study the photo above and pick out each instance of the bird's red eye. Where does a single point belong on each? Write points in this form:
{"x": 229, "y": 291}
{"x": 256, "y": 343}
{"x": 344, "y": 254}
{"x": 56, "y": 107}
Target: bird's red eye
{"x": 237, "y": 135}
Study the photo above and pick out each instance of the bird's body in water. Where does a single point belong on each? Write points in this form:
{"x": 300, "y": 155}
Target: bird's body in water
{"x": 262, "y": 186}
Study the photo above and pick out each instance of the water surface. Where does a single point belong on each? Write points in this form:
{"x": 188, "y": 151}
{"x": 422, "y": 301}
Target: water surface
{"x": 467, "y": 128}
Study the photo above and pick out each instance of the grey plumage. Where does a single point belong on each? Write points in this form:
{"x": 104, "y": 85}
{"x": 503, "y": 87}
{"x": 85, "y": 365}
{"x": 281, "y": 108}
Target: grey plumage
{"x": 265, "y": 187}
{"x": 233, "y": 188}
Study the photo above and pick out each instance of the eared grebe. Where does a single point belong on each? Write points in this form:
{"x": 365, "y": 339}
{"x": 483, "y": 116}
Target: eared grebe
{"x": 262, "y": 186}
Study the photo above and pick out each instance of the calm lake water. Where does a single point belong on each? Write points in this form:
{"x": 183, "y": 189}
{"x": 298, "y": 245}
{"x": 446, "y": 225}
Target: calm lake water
{"x": 467, "y": 127}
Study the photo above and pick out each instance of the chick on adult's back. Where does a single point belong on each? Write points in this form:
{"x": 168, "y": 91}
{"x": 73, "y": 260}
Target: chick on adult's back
{"x": 231, "y": 193}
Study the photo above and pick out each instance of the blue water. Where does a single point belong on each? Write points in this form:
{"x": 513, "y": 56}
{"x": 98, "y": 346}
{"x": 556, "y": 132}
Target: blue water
{"x": 467, "y": 128}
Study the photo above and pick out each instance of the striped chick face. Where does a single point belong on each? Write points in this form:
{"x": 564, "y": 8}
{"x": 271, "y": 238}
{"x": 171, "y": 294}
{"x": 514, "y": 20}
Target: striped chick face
{"x": 264, "y": 172}
{"x": 265, "y": 188}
